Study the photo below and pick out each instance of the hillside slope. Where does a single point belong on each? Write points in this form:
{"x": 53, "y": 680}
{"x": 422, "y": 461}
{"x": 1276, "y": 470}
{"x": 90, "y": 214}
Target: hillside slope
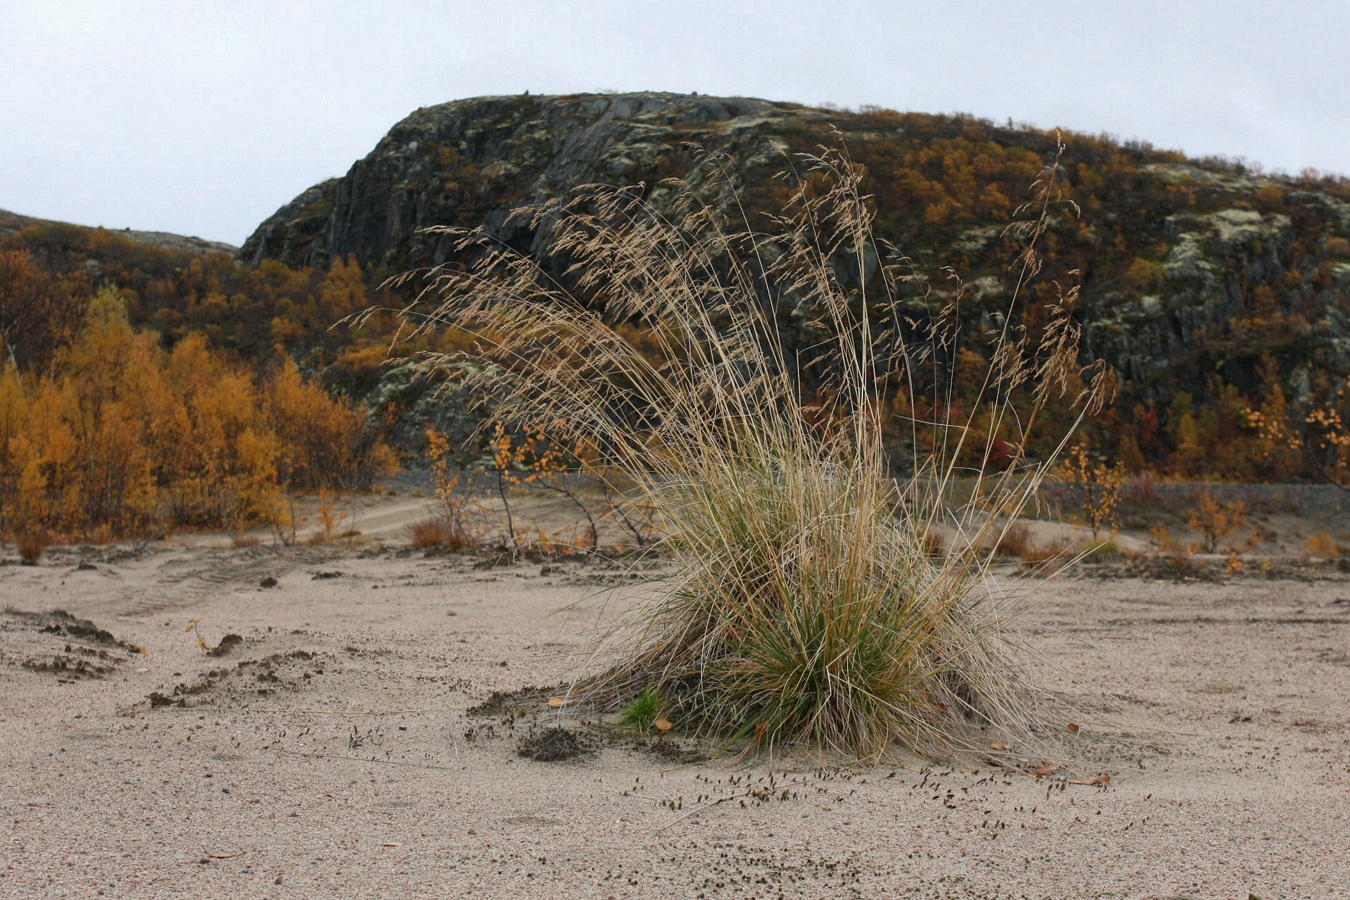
{"x": 1189, "y": 268}
{"x": 12, "y": 223}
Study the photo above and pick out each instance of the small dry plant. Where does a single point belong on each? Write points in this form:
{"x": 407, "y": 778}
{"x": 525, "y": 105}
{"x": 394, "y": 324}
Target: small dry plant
{"x": 1094, "y": 489}
{"x": 31, "y": 545}
{"x": 806, "y": 601}
{"x": 330, "y": 518}
{"x": 1321, "y": 546}
{"x": 1178, "y": 552}
{"x": 1216, "y": 520}
{"x": 447, "y": 527}
{"x": 1015, "y": 540}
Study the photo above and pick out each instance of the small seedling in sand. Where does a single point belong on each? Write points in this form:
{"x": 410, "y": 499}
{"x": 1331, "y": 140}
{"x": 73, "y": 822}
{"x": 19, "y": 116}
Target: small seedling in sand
{"x": 645, "y": 709}
{"x": 330, "y": 518}
{"x": 1094, "y": 489}
{"x": 194, "y": 627}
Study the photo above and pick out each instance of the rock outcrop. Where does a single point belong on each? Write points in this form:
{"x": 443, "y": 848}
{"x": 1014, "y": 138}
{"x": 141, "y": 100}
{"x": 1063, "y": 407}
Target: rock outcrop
{"x": 1188, "y": 268}
{"x": 472, "y": 161}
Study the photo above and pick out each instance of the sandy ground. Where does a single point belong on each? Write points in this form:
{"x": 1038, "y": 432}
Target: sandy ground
{"x": 330, "y": 751}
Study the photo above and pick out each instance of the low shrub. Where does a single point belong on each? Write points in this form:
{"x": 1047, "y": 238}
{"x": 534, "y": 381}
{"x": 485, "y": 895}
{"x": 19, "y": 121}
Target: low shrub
{"x": 436, "y": 532}
{"x": 1015, "y": 541}
{"x": 806, "y": 600}
{"x": 1321, "y": 546}
{"x": 31, "y": 546}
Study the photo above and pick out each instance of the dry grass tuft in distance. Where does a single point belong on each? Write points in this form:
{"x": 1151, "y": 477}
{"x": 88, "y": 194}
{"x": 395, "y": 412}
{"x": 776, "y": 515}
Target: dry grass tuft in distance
{"x": 1015, "y": 540}
{"x": 31, "y": 546}
{"x": 438, "y": 532}
{"x": 736, "y": 377}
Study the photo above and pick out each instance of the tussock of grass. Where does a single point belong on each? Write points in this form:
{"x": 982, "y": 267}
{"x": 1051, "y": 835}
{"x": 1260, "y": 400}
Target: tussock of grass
{"x": 810, "y": 599}
{"x": 31, "y": 546}
{"x": 438, "y": 532}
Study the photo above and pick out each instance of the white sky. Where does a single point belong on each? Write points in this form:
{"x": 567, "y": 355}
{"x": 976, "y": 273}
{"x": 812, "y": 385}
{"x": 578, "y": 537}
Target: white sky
{"x": 203, "y": 117}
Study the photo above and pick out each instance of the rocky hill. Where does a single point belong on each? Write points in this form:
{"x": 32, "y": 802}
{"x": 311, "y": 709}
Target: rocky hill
{"x": 472, "y": 161}
{"x": 1189, "y": 268}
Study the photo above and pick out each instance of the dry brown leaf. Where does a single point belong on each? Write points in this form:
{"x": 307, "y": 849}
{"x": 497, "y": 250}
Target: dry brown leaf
{"x": 142, "y": 670}
{"x": 663, "y": 724}
{"x": 1101, "y": 780}
{"x": 998, "y": 746}
{"x": 392, "y": 844}
{"x": 555, "y": 702}
{"x": 1073, "y": 726}
{"x": 215, "y": 854}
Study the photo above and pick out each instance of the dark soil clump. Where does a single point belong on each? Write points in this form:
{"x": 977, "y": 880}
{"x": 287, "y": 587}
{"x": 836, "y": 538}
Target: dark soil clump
{"x": 64, "y": 624}
{"x": 228, "y": 643}
{"x": 514, "y": 704}
{"x": 554, "y": 745}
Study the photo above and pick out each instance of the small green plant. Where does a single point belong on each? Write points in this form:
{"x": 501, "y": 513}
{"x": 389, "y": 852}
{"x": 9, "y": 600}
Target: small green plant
{"x": 641, "y": 714}
{"x": 1107, "y": 549}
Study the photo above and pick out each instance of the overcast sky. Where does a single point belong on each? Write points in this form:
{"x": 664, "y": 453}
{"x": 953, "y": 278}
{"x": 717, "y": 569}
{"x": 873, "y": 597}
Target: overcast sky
{"x": 204, "y": 117}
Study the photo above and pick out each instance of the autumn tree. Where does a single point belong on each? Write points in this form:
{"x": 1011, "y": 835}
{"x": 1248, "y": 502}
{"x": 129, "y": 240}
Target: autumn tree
{"x": 217, "y": 452}
{"x": 36, "y": 316}
{"x": 324, "y": 441}
{"x": 1093, "y": 488}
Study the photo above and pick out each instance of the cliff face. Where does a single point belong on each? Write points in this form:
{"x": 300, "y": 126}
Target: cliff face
{"x": 472, "y": 161}
{"x": 1188, "y": 268}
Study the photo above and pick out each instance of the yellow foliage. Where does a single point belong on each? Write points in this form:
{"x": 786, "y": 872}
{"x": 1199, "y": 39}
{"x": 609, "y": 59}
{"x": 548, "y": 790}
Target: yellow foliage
{"x": 1094, "y": 488}
{"x": 1215, "y": 520}
{"x": 1322, "y": 545}
{"x": 127, "y": 434}
{"x": 324, "y": 441}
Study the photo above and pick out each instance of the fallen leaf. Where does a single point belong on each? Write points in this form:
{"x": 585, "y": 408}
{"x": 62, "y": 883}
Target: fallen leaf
{"x": 392, "y": 844}
{"x": 663, "y": 724}
{"x": 1102, "y": 780}
{"x": 142, "y": 670}
{"x": 555, "y": 702}
{"x": 215, "y": 854}
{"x": 998, "y": 746}
{"x": 1073, "y": 726}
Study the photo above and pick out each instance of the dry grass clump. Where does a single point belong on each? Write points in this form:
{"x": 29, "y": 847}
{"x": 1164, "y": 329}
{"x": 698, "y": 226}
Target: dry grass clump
{"x": 31, "y": 546}
{"x": 1321, "y": 546}
{"x": 1015, "y": 540}
{"x": 807, "y": 602}
{"x": 438, "y": 532}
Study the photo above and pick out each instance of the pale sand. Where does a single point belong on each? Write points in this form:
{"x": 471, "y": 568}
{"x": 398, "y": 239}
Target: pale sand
{"x": 1221, "y": 713}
